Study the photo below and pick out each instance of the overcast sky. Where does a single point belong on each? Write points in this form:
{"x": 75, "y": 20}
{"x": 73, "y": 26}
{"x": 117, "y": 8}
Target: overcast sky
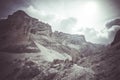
{"x": 87, "y": 17}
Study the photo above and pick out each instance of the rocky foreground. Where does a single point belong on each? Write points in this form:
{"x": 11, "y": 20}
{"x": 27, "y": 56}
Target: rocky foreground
{"x": 30, "y": 50}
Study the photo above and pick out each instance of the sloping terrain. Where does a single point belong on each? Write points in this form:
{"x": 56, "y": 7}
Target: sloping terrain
{"x": 31, "y": 51}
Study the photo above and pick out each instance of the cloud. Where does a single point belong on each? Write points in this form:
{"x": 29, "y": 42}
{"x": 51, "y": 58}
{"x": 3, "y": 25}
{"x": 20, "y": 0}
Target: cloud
{"x": 113, "y": 26}
{"x": 66, "y": 25}
{"x": 104, "y": 35}
{"x": 39, "y": 14}
{"x": 95, "y": 36}
{"x": 69, "y": 25}
{"x": 65, "y": 16}
{"x": 58, "y": 22}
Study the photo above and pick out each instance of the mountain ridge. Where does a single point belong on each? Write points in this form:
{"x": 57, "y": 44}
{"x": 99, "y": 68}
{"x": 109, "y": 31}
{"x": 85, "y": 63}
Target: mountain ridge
{"x": 30, "y": 50}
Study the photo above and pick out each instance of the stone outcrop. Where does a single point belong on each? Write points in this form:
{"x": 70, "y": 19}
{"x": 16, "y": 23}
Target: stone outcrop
{"x": 116, "y": 41}
{"x": 65, "y": 38}
{"x": 19, "y": 31}
{"x": 16, "y": 30}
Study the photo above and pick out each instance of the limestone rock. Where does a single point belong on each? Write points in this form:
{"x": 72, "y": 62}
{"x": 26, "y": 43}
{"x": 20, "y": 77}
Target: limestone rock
{"x": 16, "y": 30}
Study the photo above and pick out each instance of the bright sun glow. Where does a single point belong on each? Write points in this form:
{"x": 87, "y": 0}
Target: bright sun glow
{"x": 91, "y": 5}
{"x": 88, "y": 14}
{"x": 89, "y": 11}
{"x": 75, "y": 17}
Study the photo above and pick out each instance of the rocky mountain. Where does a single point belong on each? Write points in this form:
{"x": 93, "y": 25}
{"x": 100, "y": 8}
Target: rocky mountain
{"x": 15, "y": 31}
{"x": 21, "y": 33}
{"x": 30, "y": 50}
{"x": 116, "y": 41}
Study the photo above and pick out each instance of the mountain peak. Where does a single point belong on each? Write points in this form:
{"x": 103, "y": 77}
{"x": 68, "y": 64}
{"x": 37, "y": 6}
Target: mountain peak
{"x": 19, "y": 13}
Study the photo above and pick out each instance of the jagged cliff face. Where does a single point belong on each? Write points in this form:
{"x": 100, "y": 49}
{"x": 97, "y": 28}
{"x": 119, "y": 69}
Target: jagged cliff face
{"x": 59, "y": 56}
{"x": 19, "y": 32}
{"x": 16, "y": 30}
{"x": 116, "y": 42}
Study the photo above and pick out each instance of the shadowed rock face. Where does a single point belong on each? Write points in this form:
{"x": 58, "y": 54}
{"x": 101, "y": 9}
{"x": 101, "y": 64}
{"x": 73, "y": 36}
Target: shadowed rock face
{"x": 112, "y": 23}
{"x": 117, "y": 36}
{"x": 16, "y": 30}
